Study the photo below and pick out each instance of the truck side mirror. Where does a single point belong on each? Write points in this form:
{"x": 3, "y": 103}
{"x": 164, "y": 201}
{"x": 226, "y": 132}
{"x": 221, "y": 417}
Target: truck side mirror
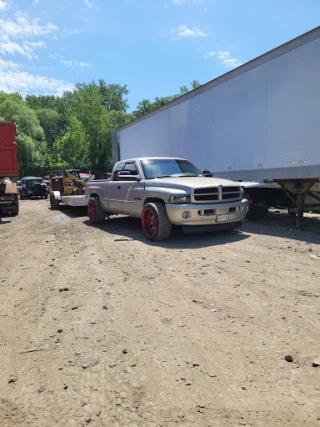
{"x": 206, "y": 173}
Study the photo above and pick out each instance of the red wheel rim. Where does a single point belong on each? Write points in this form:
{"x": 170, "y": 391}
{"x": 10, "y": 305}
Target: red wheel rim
{"x": 91, "y": 211}
{"x": 149, "y": 223}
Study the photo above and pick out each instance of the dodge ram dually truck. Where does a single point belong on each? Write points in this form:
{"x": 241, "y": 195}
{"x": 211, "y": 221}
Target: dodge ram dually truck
{"x": 165, "y": 192}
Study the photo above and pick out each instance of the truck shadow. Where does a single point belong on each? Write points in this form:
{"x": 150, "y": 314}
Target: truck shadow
{"x": 127, "y": 228}
{"x": 72, "y": 212}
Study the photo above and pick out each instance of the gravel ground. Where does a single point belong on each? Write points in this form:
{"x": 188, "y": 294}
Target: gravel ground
{"x": 99, "y": 327}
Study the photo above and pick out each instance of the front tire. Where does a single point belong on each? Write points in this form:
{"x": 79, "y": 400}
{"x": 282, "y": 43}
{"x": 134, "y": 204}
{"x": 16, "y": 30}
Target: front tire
{"x": 155, "y": 223}
{"x": 95, "y": 212}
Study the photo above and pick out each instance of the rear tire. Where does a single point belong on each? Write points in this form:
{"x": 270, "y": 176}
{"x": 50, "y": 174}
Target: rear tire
{"x": 95, "y": 212}
{"x": 155, "y": 223}
{"x": 54, "y": 203}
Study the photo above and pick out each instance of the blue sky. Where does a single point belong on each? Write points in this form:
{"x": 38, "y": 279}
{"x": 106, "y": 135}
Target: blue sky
{"x": 153, "y": 46}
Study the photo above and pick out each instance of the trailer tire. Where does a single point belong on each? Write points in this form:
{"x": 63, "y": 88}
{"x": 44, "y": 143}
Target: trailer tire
{"x": 54, "y": 203}
{"x": 155, "y": 223}
{"x": 95, "y": 212}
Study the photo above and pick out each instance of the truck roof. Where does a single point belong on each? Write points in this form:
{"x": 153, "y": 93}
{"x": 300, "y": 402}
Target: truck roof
{"x": 138, "y": 159}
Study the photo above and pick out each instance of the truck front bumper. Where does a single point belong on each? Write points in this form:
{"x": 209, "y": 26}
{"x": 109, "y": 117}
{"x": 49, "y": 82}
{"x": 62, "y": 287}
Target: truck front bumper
{"x": 8, "y": 207}
{"x": 207, "y": 214}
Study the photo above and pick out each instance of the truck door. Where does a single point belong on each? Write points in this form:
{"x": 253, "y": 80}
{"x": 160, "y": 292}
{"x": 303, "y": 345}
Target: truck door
{"x": 114, "y": 189}
{"x": 128, "y": 194}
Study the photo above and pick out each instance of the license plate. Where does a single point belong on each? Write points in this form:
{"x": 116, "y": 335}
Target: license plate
{"x": 222, "y": 218}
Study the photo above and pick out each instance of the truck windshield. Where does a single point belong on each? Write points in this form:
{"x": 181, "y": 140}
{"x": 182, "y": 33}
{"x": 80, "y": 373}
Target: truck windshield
{"x": 162, "y": 168}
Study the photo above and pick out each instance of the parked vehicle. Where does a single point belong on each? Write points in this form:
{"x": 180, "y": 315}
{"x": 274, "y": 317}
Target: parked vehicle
{"x": 9, "y": 169}
{"x": 256, "y": 122}
{"x": 66, "y": 186}
{"x": 165, "y": 192}
{"x": 19, "y": 186}
{"x": 32, "y": 186}
{"x": 47, "y": 182}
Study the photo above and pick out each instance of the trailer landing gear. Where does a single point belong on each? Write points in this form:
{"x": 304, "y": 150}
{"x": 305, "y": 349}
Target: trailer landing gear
{"x": 297, "y": 190}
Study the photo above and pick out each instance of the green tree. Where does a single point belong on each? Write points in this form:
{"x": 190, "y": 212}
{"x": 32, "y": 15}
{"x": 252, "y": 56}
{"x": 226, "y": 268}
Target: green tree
{"x": 73, "y": 146}
{"x": 52, "y": 124}
{"x": 114, "y": 96}
{"x": 145, "y": 106}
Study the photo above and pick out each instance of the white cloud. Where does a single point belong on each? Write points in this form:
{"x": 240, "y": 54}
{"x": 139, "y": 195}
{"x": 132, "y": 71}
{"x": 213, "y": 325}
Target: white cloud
{"x": 15, "y": 34}
{"x": 25, "y": 48}
{"x": 14, "y": 80}
{"x": 22, "y": 27}
{"x": 210, "y": 55}
{"x": 7, "y": 65}
{"x": 88, "y": 3}
{"x": 180, "y": 2}
{"x": 54, "y": 55}
{"x": 183, "y": 32}
{"x": 227, "y": 60}
{"x": 73, "y": 64}
{"x": 3, "y": 5}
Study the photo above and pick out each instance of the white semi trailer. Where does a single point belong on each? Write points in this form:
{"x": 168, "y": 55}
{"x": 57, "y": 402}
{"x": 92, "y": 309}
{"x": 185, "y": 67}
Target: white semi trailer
{"x": 257, "y": 122}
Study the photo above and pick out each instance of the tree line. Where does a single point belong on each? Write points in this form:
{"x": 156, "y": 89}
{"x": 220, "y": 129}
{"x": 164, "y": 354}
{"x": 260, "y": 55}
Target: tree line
{"x": 74, "y": 130}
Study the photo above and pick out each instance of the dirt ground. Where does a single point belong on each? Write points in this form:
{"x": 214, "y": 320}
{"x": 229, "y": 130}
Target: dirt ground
{"x": 99, "y": 327}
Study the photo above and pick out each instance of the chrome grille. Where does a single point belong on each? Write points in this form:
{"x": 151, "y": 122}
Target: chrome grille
{"x": 214, "y": 194}
{"x": 231, "y": 193}
{"x": 206, "y": 194}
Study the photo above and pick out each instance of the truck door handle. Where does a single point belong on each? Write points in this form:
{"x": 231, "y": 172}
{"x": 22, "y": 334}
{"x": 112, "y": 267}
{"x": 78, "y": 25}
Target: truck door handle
{"x": 119, "y": 187}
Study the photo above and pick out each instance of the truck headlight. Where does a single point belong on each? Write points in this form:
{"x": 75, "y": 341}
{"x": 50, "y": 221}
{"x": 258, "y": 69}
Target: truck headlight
{"x": 180, "y": 199}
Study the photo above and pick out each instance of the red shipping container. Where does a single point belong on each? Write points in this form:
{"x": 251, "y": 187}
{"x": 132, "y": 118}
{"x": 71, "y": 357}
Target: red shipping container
{"x": 8, "y": 150}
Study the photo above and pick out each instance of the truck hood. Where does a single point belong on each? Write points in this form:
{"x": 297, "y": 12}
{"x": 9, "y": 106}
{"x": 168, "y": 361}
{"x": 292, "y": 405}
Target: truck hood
{"x": 190, "y": 182}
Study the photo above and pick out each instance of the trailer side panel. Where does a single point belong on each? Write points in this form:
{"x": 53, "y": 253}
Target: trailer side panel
{"x": 262, "y": 123}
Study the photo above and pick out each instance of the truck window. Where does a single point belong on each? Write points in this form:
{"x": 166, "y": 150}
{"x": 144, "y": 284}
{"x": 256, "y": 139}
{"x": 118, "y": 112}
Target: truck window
{"x": 118, "y": 168}
{"x": 131, "y": 167}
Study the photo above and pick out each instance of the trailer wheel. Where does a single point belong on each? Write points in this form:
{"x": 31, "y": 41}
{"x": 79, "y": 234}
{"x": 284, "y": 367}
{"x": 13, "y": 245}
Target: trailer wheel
{"x": 95, "y": 212}
{"x": 54, "y": 203}
{"x": 155, "y": 223}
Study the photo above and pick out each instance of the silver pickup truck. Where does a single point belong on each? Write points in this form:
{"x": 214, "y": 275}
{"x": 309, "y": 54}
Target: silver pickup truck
{"x": 165, "y": 192}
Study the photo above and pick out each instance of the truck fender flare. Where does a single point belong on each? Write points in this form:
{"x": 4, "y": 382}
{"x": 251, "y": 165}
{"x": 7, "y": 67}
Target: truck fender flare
{"x": 56, "y": 195}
